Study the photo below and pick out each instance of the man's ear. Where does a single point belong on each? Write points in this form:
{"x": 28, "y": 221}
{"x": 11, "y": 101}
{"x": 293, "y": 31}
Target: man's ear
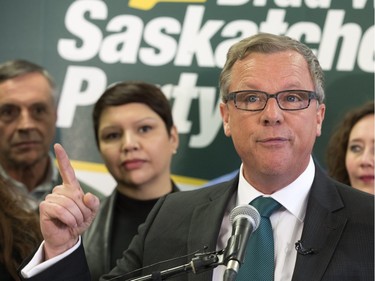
{"x": 224, "y": 110}
{"x": 319, "y": 119}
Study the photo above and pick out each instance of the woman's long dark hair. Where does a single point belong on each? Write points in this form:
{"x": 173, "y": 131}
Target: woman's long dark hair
{"x": 19, "y": 229}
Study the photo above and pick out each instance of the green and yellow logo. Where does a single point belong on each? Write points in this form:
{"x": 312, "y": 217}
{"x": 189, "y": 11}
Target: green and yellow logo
{"x": 149, "y": 4}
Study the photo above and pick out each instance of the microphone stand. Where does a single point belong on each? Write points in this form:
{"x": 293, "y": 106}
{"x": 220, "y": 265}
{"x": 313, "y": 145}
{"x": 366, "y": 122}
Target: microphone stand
{"x": 200, "y": 263}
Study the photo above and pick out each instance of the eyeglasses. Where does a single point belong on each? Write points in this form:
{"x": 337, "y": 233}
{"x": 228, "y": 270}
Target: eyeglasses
{"x": 257, "y": 100}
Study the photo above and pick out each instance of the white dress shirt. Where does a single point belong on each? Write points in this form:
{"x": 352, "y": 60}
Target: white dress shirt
{"x": 287, "y": 222}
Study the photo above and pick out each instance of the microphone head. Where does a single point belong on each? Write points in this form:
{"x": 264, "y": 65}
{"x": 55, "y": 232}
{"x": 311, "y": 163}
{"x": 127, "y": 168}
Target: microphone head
{"x": 248, "y": 212}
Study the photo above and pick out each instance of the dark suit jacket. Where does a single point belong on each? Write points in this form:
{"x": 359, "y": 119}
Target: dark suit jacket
{"x": 97, "y": 238}
{"x": 339, "y": 224}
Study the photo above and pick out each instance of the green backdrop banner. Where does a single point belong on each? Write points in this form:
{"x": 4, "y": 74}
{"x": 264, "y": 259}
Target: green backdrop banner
{"x": 181, "y": 46}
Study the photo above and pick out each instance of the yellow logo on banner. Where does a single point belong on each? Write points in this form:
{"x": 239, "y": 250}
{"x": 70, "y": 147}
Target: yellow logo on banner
{"x": 149, "y": 4}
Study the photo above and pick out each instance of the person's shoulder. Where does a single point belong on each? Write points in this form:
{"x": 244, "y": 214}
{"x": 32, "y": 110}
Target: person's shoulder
{"x": 349, "y": 191}
{"x": 87, "y": 188}
{"x": 200, "y": 193}
{"x": 349, "y": 195}
{"x": 223, "y": 178}
{"x": 355, "y": 200}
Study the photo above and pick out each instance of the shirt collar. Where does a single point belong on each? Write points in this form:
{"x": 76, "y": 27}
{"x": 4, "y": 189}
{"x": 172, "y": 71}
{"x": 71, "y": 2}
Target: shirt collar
{"x": 50, "y": 180}
{"x": 293, "y": 197}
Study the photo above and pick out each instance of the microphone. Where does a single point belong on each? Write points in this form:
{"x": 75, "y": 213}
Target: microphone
{"x": 245, "y": 220}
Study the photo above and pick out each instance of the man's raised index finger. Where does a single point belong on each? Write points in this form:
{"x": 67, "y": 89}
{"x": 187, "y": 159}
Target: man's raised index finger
{"x": 66, "y": 170}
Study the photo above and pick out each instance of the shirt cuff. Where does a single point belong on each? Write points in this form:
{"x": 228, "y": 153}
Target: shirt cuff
{"x": 37, "y": 265}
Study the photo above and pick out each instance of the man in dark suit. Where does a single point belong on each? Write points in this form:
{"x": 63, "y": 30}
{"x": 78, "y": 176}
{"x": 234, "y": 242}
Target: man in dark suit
{"x": 272, "y": 108}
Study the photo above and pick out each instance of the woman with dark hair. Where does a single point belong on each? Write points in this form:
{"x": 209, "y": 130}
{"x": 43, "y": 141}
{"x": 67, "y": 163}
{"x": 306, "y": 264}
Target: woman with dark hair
{"x": 19, "y": 230}
{"x": 136, "y": 137}
{"x": 350, "y": 154}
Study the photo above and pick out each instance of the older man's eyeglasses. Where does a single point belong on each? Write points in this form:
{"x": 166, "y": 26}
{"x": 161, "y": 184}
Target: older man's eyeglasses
{"x": 257, "y": 100}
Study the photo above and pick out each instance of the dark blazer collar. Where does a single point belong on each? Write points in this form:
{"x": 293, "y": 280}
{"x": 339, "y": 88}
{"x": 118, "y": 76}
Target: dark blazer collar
{"x": 322, "y": 230}
{"x": 208, "y": 216}
{"x": 323, "y": 227}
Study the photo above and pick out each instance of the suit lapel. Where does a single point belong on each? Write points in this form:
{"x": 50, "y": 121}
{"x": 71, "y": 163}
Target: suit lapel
{"x": 209, "y": 216}
{"x": 323, "y": 227}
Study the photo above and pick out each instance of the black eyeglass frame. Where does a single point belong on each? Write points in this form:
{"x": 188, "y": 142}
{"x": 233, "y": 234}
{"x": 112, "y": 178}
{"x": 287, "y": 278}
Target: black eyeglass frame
{"x": 233, "y": 95}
